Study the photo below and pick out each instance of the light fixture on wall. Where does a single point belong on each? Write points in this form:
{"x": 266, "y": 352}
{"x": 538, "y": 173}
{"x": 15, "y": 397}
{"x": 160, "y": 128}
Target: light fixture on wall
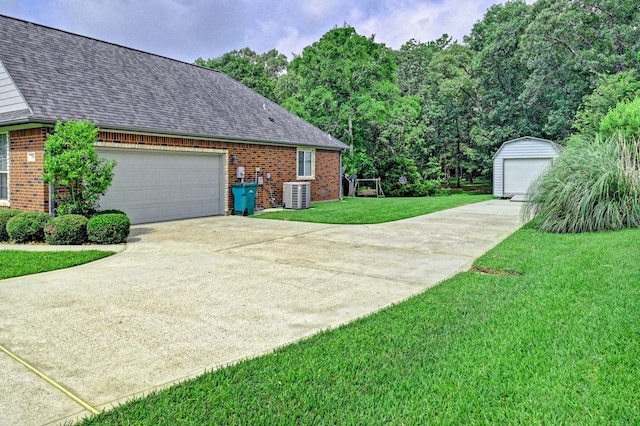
{"x": 234, "y": 159}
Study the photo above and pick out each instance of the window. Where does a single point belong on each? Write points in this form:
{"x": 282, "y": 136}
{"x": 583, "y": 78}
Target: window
{"x": 4, "y": 167}
{"x": 306, "y": 163}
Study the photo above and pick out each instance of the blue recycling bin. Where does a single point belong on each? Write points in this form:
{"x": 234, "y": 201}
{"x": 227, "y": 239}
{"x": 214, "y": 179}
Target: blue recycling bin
{"x": 244, "y": 198}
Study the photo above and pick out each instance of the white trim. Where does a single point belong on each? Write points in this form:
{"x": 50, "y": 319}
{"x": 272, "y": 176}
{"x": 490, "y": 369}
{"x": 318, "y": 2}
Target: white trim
{"x": 126, "y": 146}
{"x": 312, "y": 152}
{"x": 213, "y": 138}
{"x": 5, "y": 202}
{"x": 25, "y": 126}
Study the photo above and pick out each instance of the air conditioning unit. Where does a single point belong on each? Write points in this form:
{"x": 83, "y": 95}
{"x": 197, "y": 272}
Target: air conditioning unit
{"x": 297, "y": 195}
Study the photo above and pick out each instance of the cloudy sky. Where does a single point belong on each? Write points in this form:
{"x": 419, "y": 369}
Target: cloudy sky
{"x": 188, "y": 29}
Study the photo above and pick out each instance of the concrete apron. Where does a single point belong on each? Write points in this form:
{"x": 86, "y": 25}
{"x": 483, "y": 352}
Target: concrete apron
{"x": 190, "y": 296}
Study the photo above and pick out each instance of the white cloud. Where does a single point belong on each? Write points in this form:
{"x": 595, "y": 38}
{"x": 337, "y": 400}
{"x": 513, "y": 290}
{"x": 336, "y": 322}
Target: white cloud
{"x": 187, "y": 29}
{"x": 423, "y": 21}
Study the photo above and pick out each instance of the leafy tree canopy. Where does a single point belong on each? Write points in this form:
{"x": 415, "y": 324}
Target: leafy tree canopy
{"x": 346, "y": 85}
{"x": 624, "y": 119}
{"x": 72, "y": 165}
{"x": 550, "y": 69}
{"x": 259, "y": 72}
{"x": 612, "y": 90}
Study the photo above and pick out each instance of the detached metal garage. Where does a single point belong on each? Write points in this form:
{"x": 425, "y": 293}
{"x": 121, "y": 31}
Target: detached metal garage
{"x": 519, "y": 162}
{"x": 158, "y": 185}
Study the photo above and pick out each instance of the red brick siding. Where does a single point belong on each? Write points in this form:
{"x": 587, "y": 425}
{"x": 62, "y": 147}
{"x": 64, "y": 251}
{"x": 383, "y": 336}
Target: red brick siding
{"x": 327, "y": 183}
{"x": 279, "y": 161}
{"x": 27, "y": 191}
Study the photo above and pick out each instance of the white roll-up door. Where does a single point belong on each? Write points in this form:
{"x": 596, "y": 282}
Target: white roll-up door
{"x": 520, "y": 172}
{"x": 154, "y": 186}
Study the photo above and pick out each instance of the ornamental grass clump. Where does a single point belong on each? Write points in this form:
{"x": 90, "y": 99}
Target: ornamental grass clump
{"x": 594, "y": 185}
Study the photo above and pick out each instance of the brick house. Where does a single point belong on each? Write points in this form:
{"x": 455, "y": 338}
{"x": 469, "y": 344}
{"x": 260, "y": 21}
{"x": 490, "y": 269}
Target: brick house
{"x": 179, "y": 132}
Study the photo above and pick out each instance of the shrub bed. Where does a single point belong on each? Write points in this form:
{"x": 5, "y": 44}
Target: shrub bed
{"x": 5, "y": 215}
{"x": 108, "y": 228}
{"x": 27, "y": 227}
{"x": 110, "y": 211}
{"x": 66, "y": 230}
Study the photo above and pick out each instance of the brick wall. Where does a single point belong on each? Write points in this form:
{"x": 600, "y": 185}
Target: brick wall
{"x": 327, "y": 183}
{"x": 279, "y": 161}
{"x": 27, "y": 191}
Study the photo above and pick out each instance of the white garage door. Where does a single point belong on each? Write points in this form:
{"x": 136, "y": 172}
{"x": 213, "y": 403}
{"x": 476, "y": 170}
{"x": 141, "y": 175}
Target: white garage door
{"x": 153, "y": 186}
{"x": 520, "y": 172}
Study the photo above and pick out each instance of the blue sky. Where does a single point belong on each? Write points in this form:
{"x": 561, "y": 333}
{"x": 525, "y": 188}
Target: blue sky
{"x": 188, "y": 29}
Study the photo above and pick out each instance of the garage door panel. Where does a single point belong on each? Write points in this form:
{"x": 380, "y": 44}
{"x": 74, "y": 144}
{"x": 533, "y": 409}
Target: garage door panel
{"x": 519, "y": 173}
{"x": 152, "y": 186}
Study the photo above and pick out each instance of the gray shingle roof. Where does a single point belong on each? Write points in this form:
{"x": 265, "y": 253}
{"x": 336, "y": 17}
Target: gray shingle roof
{"x": 65, "y": 76}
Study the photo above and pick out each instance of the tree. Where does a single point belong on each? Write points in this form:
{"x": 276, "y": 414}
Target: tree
{"x": 612, "y": 90}
{"x": 501, "y": 75}
{"x": 568, "y": 47}
{"x": 439, "y": 75}
{"x": 259, "y": 72}
{"x": 413, "y": 60}
{"x": 346, "y": 85}
{"x": 453, "y": 99}
{"x": 72, "y": 165}
{"x": 624, "y": 119}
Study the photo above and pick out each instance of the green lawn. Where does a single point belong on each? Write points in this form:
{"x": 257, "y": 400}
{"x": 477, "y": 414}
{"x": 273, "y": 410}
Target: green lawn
{"x": 361, "y": 210}
{"x": 551, "y": 337}
{"x": 15, "y": 263}
{"x": 479, "y": 186}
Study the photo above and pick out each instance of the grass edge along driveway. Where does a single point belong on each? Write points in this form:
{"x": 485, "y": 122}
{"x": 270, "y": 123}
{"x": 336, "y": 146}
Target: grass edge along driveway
{"x": 547, "y": 333}
{"x": 362, "y": 210}
{"x": 16, "y": 263}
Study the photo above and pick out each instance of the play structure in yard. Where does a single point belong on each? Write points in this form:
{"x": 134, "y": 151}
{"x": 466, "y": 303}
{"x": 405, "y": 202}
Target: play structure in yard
{"x": 354, "y": 185}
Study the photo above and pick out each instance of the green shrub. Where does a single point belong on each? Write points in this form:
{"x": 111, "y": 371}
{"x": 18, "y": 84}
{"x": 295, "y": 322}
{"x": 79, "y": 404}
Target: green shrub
{"x": 415, "y": 186}
{"x": 624, "y": 119}
{"x": 65, "y": 230}
{"x": 109, "y": 228}
{"x": 27, "y": 227}
{"x": 5, "y": 215}
{"x": 110, "y": 211}
{"x": 76, "y": 171}
{"x": 594, "y": 185}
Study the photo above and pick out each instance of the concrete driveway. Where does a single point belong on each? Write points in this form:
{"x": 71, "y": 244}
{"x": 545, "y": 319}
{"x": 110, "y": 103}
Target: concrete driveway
{"x": 189, "y": 296}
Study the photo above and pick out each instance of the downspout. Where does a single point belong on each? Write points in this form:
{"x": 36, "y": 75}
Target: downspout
{"x": 52, "y": 207}
{"x": 341, "y": 177}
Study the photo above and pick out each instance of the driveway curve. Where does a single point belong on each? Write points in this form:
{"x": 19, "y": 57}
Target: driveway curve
{"x": 189, "y": 296}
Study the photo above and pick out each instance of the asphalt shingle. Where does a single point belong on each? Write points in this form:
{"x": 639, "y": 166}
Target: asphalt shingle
{"x": 65, "y": 76}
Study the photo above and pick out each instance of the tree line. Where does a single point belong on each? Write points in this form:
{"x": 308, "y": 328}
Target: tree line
{"x": 436, "y": 111}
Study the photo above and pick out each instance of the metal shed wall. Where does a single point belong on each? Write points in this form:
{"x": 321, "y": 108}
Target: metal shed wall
{"x": 522, "y": 148}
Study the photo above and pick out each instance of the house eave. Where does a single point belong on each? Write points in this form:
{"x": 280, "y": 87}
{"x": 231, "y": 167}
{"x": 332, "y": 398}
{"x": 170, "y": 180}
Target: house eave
{"x": 221, "y": 138}
{"x": 33, "y": 122}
